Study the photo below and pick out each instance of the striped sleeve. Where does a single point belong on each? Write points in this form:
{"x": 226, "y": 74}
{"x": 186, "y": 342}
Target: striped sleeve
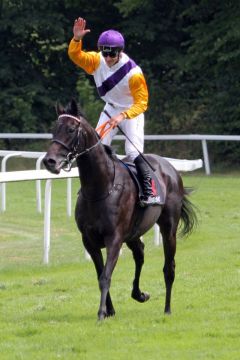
{"x": 139, "y": 92}
{"x": 88, "y": 61}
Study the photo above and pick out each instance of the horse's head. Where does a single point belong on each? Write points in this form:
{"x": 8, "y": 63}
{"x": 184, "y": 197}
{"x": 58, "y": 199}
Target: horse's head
{"x": 70, "y": 138}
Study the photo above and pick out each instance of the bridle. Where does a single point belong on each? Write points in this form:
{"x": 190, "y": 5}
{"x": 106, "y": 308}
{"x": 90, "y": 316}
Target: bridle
{"x": 73, "y": 153}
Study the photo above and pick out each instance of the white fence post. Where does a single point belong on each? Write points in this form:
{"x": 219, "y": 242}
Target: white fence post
{"x": 47, "y": 220}
{"x": 157, "y": 235}
{"x": 69, "y": 197}
{"x": 38, "y": 185}
{"x": 205, "y": 157}
{"x": 3, "y": 185}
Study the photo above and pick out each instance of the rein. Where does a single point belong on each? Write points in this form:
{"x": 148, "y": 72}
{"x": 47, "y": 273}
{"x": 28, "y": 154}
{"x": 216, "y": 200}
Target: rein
{"x": 73, "y": 154}
{"x": 102, "y": 130}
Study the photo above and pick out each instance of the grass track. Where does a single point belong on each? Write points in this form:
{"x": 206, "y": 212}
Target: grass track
{"x": 50, "y": 312}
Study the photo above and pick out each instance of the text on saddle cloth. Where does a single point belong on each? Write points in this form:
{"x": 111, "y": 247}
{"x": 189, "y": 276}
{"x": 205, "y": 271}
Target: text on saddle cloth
{"x": 157, "y": 187}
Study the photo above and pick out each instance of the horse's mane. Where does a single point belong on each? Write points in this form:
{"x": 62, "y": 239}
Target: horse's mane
{"x": 110, "y": 152}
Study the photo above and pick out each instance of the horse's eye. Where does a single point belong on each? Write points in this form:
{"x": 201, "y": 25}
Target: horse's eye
{"x": 71, "y": 130}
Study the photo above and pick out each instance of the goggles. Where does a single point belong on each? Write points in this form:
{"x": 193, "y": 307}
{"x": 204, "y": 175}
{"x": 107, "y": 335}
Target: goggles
{"x": 112, "y": 52}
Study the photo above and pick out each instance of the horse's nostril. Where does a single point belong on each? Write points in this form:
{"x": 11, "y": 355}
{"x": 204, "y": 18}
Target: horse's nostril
{"x": 49, "y": 162}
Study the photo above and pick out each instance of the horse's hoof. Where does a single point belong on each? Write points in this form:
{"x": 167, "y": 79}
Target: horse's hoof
{"x": 111, "y": 313}
{"x": 141, "y": 297}
{"x": 167, "y": 312}
{"x": 102, "y": 316}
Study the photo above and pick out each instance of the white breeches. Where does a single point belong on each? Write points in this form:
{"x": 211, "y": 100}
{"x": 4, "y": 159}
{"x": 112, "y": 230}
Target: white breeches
{"x": 133, "y": 128}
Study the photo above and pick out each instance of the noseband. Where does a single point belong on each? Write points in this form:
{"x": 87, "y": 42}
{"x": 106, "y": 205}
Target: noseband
{"x": 73, "y": 152}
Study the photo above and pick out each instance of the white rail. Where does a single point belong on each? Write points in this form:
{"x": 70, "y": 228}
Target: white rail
{"x": 6, "y": 155}
{"x": 192, "y": 137}
{"x": 182, "y": 165}
{"x": 121, "y": 137}
{"x": 27, "y": 175}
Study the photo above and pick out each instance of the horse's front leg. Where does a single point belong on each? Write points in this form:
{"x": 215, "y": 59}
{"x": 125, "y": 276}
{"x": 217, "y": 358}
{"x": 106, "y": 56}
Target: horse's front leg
{"x": 97, "y": 258}
{"x": 113, "y": 249}
{"x": 137, "y": 247}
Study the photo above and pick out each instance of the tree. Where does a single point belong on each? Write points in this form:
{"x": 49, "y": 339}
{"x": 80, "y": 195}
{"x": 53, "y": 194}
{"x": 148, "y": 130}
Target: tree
{"x": 212, "y": 63}
{"x": 34, "y": 68}
{"x": 187, "y": 49}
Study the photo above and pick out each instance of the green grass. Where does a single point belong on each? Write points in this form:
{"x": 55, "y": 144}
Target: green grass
{"x": 50, "y": 312}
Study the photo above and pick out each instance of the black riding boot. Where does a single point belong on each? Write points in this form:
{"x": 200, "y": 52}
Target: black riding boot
{"x": 146, "y": 181}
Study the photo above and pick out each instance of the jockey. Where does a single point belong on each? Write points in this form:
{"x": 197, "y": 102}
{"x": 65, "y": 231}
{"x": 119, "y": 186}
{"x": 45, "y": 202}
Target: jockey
{"x": 121, "y": 84}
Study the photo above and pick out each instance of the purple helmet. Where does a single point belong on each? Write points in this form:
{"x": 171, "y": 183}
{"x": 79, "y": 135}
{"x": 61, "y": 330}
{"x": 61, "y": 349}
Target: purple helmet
{"x": 111, "y": 38}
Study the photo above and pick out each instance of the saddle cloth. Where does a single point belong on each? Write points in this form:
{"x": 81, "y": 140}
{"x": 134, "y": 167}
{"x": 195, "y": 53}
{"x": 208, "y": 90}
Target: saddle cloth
{"x": 157, "y": 189}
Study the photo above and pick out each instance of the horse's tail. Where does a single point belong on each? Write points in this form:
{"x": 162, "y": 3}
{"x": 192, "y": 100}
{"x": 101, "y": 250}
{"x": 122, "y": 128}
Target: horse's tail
{"x": 188, "y": 216}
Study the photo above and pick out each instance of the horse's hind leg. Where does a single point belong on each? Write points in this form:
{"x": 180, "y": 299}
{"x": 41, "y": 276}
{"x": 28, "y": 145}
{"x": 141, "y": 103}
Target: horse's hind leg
{"x": 168, "y": 223}
{"x": 137, "y": 248}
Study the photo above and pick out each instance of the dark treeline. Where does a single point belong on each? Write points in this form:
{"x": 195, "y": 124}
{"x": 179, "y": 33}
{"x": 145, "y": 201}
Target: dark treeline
{"x": 189, "y": 51}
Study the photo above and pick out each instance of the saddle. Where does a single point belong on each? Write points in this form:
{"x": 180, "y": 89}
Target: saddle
{"x": 156, "y": 187}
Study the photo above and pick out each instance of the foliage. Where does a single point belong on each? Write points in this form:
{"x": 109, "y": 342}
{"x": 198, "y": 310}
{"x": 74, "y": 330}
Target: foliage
{"x": 33, "y": 43}
{"x": 188, "y": 50}
{"x": 90, "y": 104}
{"x": 212, "y": 61}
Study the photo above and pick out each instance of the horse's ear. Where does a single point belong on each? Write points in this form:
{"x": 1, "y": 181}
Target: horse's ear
{"x": 59, "y": 109}
{"x": 74, "y": 107}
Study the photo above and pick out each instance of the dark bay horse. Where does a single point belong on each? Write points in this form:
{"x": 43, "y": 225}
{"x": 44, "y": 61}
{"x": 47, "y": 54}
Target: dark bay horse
{"x": 107, "y": 210}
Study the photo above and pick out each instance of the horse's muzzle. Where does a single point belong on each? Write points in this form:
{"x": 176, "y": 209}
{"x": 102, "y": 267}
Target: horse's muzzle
{"x": 51, "y": 164}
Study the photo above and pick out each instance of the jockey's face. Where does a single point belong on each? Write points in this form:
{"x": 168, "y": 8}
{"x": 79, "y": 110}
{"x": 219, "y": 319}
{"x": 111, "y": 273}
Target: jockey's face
{"x": 111, "y": 61}
{"x": 111, "y": 57}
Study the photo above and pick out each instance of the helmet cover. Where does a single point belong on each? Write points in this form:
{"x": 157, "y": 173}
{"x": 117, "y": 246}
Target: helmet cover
{"x": 111, "y": 38}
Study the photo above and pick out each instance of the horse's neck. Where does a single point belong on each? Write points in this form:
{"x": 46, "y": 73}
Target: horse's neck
{"x": 96, "y": 171}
